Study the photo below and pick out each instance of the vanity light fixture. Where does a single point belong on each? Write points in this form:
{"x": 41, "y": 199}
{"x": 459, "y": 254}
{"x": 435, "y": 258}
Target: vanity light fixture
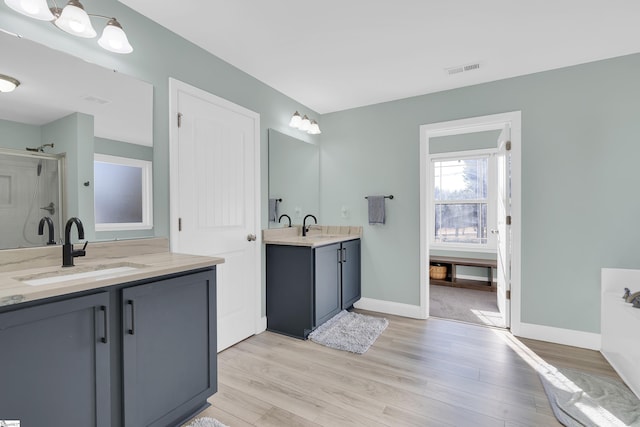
{"x": 8, "y": 84}
{"x": 314, "y": 129}
{"x": 295, "y": 120}
{"x": 304, "y": 124}
{"x": 73, "y": 19}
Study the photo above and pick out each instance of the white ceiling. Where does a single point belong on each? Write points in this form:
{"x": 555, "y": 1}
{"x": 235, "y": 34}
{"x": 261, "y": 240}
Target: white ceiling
{"x": 333, "y": 55}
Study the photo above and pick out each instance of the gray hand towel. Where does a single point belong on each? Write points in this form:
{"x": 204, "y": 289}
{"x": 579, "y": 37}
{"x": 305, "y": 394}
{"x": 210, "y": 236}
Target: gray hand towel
{"x": 273, "y": 210}
{"x": 376, "y": 209}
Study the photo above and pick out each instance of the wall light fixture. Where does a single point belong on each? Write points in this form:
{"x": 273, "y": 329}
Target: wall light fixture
{"x": 304, "y": 124}
{"x": 73, "y": 19}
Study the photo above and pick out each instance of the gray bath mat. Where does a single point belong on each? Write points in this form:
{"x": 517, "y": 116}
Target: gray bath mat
{"x": 206, "y": 422}
{"x": 580, "y": 399}
{"x": 349, "y": 331}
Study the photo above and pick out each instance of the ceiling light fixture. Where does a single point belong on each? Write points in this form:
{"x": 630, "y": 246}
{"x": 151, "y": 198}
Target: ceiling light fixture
{"x": 304, "y": 124}
{"x": 73, "y": 19}
{"x": 8, "y": 84}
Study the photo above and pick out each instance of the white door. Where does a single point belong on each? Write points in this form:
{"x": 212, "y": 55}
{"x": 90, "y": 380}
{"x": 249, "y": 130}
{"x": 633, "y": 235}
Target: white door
{"x": 503, "y": 222}
{"x": 215, "y": 200}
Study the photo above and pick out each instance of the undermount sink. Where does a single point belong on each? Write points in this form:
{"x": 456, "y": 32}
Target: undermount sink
{"x": 98, "y": 272}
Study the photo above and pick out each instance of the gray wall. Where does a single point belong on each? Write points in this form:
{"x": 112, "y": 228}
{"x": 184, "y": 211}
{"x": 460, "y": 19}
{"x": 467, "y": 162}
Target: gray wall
{"x": 580, "y": 133}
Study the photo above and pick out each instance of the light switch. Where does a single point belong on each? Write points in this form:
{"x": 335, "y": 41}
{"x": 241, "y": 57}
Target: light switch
{"x": 344, "y": 212}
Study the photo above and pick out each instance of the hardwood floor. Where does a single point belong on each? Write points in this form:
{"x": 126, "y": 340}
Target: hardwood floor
{"x": 418, "y": 373}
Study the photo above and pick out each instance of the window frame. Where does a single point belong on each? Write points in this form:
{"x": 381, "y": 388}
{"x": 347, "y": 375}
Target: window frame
{"x": 147, "y": 193}
{"x": 490, "y": 154}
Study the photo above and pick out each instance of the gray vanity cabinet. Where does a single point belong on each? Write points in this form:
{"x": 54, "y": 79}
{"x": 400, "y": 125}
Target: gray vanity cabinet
{"x": 169, "y": 348}
{"x": 55, "y": 363}
{"x": 306, "y": 286}
{"x": 350, "y": 273}
{"x": 326, "y": 283}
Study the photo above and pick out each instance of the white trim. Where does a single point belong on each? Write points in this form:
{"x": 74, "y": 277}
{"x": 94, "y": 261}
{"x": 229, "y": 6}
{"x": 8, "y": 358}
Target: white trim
{"x": 463, "y": 126}
{"x": 176, "y": 86}
{"x": 570, "y": 337}
{"x": 390, "y": 307}
{"x": 261, "y": 324}
{"x": 147, "y": 193}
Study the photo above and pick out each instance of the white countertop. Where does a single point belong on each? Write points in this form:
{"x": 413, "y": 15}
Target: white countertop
{"x": 318, "y": 235}
{"x": 13, "y": 288}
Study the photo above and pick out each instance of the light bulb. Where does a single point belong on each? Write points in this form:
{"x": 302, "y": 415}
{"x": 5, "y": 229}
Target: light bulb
{"x": 74, "y": 20}
{"x": 114, "y": 38}
{"x": 37, "y": 9}
{"x": 305, "y": 123}
{"x": 295, "y": 120}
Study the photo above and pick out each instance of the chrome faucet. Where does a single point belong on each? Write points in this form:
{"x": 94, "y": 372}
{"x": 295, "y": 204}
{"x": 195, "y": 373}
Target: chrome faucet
{"x": 50, "y": 226}
{"x": 288, "y": 217}
{"x": 68, "y": 253}
{"x": 305, "y": 229}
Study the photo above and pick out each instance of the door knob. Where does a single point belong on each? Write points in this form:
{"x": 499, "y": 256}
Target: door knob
{"x": 251, "y": 237}
{"x": 494, "y": 231}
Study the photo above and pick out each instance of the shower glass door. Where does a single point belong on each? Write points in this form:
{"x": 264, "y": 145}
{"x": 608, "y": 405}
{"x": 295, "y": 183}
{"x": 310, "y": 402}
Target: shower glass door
{"x": 30, "y": 189}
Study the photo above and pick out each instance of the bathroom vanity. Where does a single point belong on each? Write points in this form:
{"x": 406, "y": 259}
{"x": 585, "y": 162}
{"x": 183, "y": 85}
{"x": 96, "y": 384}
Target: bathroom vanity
{"x": 118, "y": 340}
{"x": 310, "y": 278}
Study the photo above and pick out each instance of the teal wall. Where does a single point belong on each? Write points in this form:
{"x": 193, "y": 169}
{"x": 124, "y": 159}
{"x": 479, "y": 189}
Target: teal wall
{"x": 580, "y": 148}
{"x": 73, "y": 135}
{"x": 18, "y": 136}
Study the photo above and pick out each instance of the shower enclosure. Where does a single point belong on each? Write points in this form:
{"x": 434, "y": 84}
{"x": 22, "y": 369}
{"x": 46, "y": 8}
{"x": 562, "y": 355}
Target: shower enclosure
{"x": 30, "y": 189}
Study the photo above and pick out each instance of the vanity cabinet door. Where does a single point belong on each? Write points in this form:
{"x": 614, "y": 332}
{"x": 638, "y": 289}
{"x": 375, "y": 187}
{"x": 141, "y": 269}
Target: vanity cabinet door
{"x": 54, "y": 363}
{"x": 169, "y": 349}
{"x": 327, "y": 282}
{"x": 351, "y": 279}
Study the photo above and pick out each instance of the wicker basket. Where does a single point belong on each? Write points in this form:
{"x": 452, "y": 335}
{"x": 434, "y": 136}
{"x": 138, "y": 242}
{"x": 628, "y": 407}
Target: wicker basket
{"x": 438, "y": 272}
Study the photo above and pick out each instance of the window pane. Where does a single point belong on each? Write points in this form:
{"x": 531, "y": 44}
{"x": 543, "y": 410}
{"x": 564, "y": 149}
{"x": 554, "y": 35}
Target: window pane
{"x": 118, "y": 193}
{"x": 464, "y": 179}
{"x": 461, "y": 223}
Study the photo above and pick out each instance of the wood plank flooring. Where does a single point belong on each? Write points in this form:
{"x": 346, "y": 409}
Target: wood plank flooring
{"x": 418, "y": 373}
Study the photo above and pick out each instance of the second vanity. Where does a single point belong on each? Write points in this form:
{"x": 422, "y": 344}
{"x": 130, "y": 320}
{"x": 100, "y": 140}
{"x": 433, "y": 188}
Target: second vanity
{"x": 310, "y": 278}
{"x": 127, "y": 337}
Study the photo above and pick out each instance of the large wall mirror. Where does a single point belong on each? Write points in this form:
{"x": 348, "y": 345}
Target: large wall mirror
{"x": 65, "y": 105}
{"x": 294, "y": 178}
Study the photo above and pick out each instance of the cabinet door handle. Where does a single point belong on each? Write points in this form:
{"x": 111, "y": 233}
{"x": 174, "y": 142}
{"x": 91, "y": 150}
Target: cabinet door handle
{"x": 105, "y": 318}
{"x": 131, "y": 331}
{"x": 339, "y": 256}
{"x": 344, "y": 254}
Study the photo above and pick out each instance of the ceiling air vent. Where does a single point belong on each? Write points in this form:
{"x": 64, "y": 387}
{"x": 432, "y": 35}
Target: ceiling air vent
{"x": 462, "y": 69}
{"x": 96, "y": 100}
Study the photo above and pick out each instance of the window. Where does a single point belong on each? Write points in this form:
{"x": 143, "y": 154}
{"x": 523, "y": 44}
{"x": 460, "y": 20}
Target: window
{"x": 463, "y": 202}
{"x": 122, "y": 193}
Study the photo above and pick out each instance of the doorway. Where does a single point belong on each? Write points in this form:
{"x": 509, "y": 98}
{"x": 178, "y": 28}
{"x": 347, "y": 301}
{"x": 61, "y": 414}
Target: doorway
{"x": 500, "y": 237}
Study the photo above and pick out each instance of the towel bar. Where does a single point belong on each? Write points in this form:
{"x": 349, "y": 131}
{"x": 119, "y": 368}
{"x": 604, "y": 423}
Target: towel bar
{"x": 386, "y": 197}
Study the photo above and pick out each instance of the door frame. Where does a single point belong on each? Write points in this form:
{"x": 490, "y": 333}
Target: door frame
{"x": 176, "y": 86}
{"x": 463, "y": 126}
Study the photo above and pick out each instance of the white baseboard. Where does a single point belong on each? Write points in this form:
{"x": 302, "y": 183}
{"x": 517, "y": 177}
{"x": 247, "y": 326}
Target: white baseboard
{"x": 261, "y": 325}
{"x": 570, "y": 337}
{"x": 389, "y": 307}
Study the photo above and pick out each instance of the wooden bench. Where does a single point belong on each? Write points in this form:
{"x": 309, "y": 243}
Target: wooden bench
{"x": 452, "y": 280}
